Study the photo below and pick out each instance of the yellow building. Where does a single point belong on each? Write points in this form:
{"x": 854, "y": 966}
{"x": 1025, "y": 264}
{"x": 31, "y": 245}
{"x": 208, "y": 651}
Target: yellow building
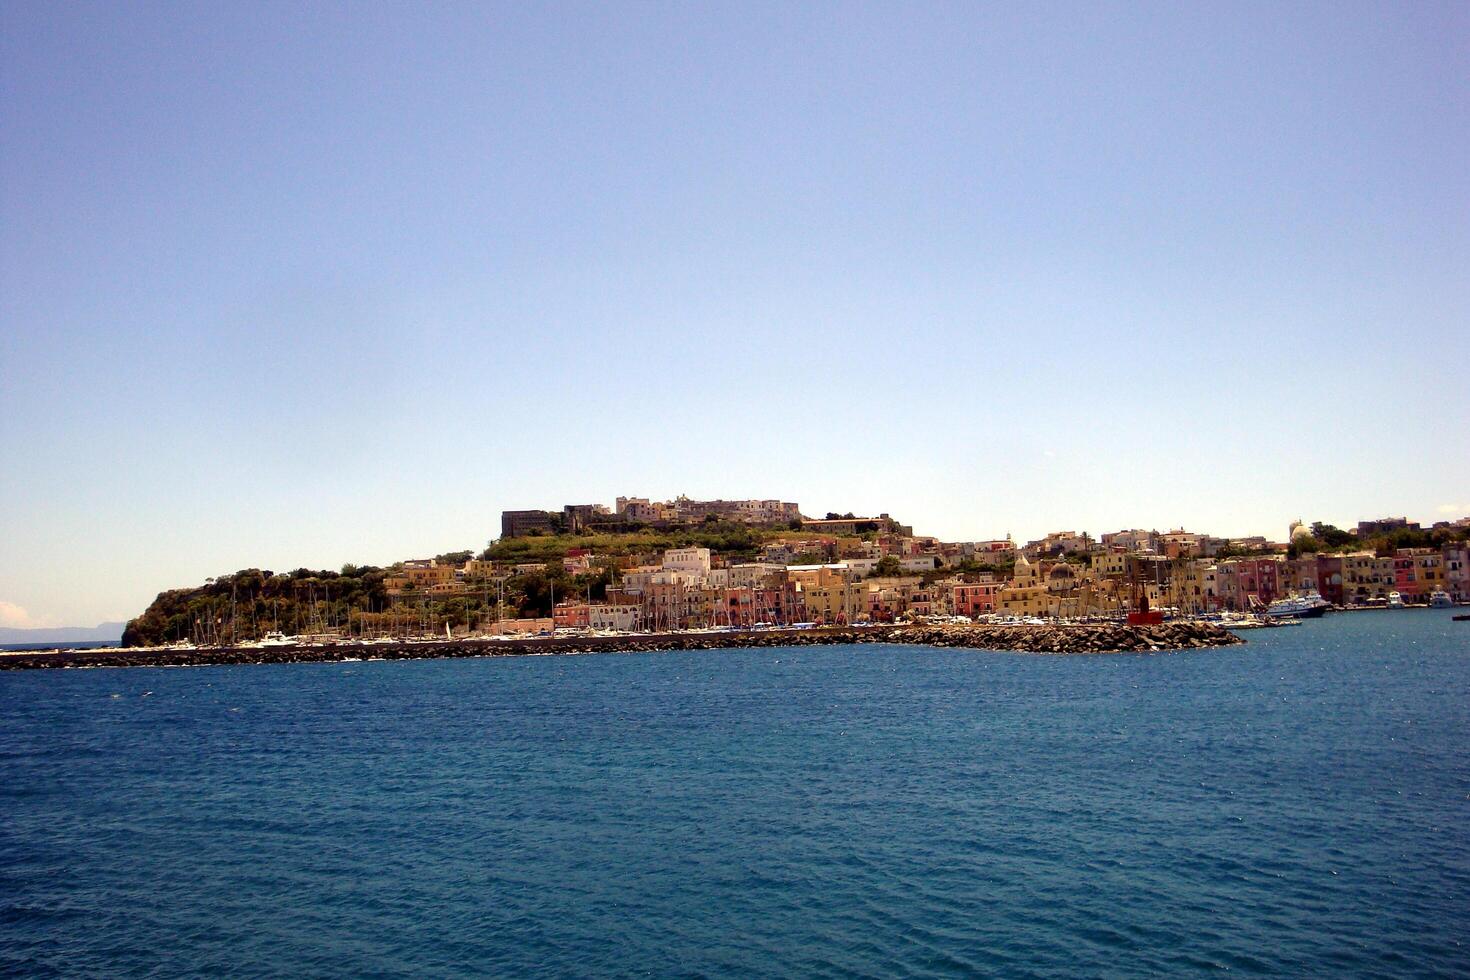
{"x": 842, "y": 602}
{"x": 1365, "y": 576}
{"x": 1110, "y": 565}
{"x": 478, "y": 569}
{"x": 1192, "y": 587}
{"x": 1028, "y": 600}
{"x": 818, "y": 576}
{"x": 420, "y": 574}
{"x": 1429, "y": 569}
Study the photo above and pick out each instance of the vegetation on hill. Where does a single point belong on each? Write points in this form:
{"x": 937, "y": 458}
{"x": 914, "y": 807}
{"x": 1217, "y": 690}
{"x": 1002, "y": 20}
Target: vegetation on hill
{"x": 1328, "y": 540}
{"x": 726, "y": 537}
{"x": 245, "y": 606}
{"x": 250, "y": 602}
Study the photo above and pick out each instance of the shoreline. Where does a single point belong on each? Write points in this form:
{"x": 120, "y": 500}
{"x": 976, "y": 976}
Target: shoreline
{"x": 1067, "y": 639}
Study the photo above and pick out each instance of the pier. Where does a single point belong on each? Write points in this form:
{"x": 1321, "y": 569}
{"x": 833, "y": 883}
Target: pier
{"x": 1054, "y": 639}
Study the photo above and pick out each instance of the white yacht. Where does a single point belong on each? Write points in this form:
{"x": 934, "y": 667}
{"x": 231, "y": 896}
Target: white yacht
{"x": 1395, "y": 600}
{"x": 1308, "y": 606}
{"x": 1440, "y": 599}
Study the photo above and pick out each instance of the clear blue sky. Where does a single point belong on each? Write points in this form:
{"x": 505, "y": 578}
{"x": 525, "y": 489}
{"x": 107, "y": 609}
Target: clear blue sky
{"x": 298, "y": 284}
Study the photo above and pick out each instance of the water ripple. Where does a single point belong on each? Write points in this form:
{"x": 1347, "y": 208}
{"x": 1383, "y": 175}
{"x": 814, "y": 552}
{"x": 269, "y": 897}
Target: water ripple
{"x": 1295, "y": 806}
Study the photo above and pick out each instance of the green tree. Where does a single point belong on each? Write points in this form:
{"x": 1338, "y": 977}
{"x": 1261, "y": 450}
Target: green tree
{"x": 887, "y": 567}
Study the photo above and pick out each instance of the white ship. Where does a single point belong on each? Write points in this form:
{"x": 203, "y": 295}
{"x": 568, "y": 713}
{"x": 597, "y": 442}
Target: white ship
{"x": 1395, "y": 600}
{"x": 1440, "y": 599}
{"x": 1308, "y": 606}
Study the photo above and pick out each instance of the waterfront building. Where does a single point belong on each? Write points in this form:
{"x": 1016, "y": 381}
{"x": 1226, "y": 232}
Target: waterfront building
{"x": 931, "y": 600}
{"x": 667, "y": 605}
{"x": 886, "y": 602}
{"x": 625, "y": 617}
{"x": 1366, "y": 577}
{"x": 1457, "y": 571}
{"x": 780, "y": 602}
{"x": 1329, "y": 578}
{"x": 974, "y": 598}
{"x": 518, "y": 627}
{"x": 1193, "y": 587}
{"x": 1298, "y": 576}
{"x": 1227, "y": 586}
{"x": 834, "y": 602}
{"x": 1418, "y": 571}
{"x": 572, "y": 615}
{"x": 1256, "y": 580}
{"x": 1033, "y": 599}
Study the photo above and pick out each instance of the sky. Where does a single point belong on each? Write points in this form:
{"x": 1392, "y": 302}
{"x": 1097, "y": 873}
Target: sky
{"x": 292, "y": 285}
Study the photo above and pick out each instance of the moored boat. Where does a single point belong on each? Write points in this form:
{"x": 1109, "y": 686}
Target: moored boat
{"x": 1440, "y": 599}
{"x": 1308, "y": 606}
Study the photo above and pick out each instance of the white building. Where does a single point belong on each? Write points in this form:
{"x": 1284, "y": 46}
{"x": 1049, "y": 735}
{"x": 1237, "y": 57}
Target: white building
{"x": 687, "y": 560}
{"x": 615, "y": 617}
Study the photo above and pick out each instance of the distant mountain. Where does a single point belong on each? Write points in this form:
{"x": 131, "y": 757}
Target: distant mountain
{"x": 106, "y": 632}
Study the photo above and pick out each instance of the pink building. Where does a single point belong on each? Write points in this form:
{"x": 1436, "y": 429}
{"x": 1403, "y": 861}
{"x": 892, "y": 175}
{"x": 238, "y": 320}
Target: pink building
{"x": 1257, "y": 577}
{"x": 572, "y": 615}
{"x": 1457, "y": 571}
{"x": 1418, "y": 571}
{"x": 975, "y": 599}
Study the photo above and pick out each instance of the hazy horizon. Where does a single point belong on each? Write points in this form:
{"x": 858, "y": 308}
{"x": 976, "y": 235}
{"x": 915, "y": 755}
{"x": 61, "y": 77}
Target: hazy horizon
{"x": 289, "y": 287}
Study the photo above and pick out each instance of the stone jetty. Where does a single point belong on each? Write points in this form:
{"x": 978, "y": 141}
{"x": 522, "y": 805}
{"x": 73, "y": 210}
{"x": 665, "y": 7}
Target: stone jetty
{"x": 1056, "y": 639}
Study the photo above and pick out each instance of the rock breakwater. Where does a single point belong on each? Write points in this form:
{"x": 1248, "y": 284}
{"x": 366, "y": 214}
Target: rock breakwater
{"x": 1079, "y": 638}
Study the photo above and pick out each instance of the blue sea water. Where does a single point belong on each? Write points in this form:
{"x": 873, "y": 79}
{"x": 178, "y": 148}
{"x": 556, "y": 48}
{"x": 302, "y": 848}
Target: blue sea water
{"x": 1299, "y": 805}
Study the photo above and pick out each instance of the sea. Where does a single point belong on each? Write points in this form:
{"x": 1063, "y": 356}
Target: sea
{"x": 1299, "y": 806}
{"x": 69, "y": 645}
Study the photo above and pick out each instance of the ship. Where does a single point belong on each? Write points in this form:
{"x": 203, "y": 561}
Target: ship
{"x": 1440, "y": 599}
{"x": 1308, "y": 606}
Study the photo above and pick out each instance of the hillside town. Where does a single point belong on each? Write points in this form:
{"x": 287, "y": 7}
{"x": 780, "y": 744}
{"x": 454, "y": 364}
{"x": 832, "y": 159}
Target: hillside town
{"x": 843, "y": 569}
